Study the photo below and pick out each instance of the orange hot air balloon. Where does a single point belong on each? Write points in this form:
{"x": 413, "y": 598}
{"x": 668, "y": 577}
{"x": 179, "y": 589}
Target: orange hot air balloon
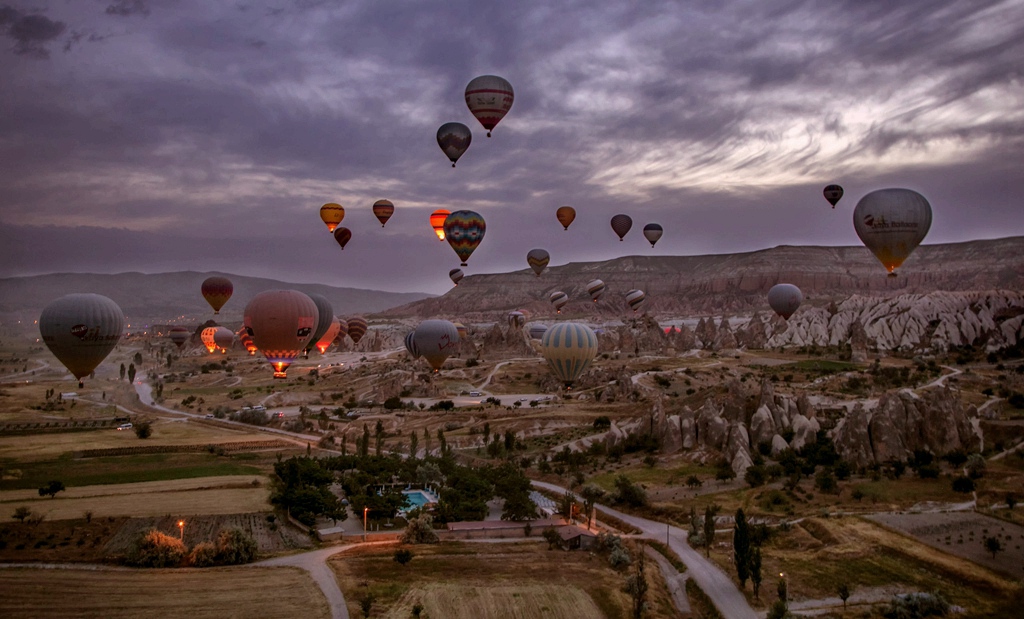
{"x": 281, "y": 323}
{"x": 208, "y": 340}
{"x": 437, "y": 222}
{"x": 328, "y": 337}
{"x": 217, "y": 290}
{"x": 332, "y": 214}
{"x": 565, "y": 215}
{"x": 383, "y": 210}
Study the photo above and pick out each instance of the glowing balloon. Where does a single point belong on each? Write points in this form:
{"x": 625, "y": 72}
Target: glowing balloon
{"x": 538, "y": 260}
{"x": 437, "y": 222}
{"x": 833, "y": 193}
{"x": 179, "y": 335}
{"x": 246, "y": 341}
{"x": 565, "y": 215}
{"x": 892, "y": 223}
{"x": 410, "y": 344}
{"x": 569, "y": 348}
{"x": 436, "y": 340}
{"x": 621, "y": 225}
{"x": 217, "y": 290}
{"x": 784, "y": 299}
{"x": 454, "y": 139}
{"x": 489, "y": 98}
{"x": 456, "y": 276}
{"x": 325, "y": 318}
{"x": 81, "y": 330}
{"x": 332, "y": 214}
{"x": 464, "y": 231}
{"x": 206, "y": 337}
{"x": 224, "y": 338}
{"x": 357, "y": 328}
{"x": 516, "y": 319}
{"x": 634, "y": 299}
{"x": 558, "y": 299}
{"x": 342, "y": 236}
{"x": 329, "y": 336}
{"x": 653, "y": 232}
{"x": 281, "y": 323}
{"x": 383, "y": 210}
{"x": 596, "y": 289}
{"x": 537, "y": 330}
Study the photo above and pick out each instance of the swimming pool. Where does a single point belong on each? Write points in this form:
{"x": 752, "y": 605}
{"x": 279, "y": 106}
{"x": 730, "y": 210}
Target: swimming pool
{"x": 418, "y": 498}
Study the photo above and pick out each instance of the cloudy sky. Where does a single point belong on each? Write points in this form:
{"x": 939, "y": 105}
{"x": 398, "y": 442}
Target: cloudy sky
{"x": 160, "y": 135}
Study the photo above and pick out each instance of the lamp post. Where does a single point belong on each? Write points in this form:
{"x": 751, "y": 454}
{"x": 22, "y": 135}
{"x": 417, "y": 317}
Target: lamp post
{"x": 366, "y": 510}
{"x": 181, "y": 530}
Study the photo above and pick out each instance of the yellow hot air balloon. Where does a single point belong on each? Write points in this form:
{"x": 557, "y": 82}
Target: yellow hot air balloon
{"x": 332, "y": 214}
{"x": 569, "y": 348}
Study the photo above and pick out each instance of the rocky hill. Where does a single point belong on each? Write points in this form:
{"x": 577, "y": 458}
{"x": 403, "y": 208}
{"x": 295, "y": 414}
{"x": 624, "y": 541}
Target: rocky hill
{"x": 731, "y": 284}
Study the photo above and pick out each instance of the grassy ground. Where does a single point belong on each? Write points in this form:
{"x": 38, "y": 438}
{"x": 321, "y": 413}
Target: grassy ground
{"x": 212, "y": 593}
{"x": 491, "y": 581}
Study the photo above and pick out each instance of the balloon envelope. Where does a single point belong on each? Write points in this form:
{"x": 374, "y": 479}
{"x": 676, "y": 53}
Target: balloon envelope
{"x": 456, "y": 276}
{"x": 569, "y": 348}
{"x": 342, "y": 328}
{"x": 224, "y": 338}
{"x": 516, "y": 319}
{"x": 833, "y": 193}
{"x": 81, "y": 330}
{"x": 784, "y": 299}
{"x": 537, "y": 330}
{"x": 464, "y": 231}
{"x": 463, "y": 331}
{"x": 454, "y": 139}
{"x": 246, "y": 340}
{"x": 343, "y": 236}
{"x": 206, "y": 337}
{"x": 217, "y": 290}
{"x": 332, "y": 214}
{"x": 436, "y": 340}
{"x": 357, "y": 328}
{"x": 653, "y": 232}
{"x": 179, "y": 335}
{"x": 621, "y": 225}
{"x": 437, "y": 222}
{"x": 558, "y": 299}
{"x": 489, "y": 98}
{"x": 325, "y": 318}
{"x": 634, "y": 299}
{"x": 596, "y": 289}
{"x": 281, "y": 323}
{"x": 538, "y": 260}
{"x": 892, "y": 223}
{"x": 383, "y": 210}
{"x": 410, "y": 344}
{"x": 565, "y": 215}
{"x": 329, "y": 336}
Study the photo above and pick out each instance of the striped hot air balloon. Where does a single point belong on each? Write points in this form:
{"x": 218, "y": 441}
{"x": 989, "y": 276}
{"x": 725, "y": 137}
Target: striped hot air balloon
{"x": 558, "y": 299}
{"x": 454, "y": 139}
{"x": 342, "y": 236}
{"x": 489, "y": 98}
{"x": 437, "y": 222}
{"x": 536, "y": 330}
{"x": 653, "y": 232}
{"x": 516, "y": 319}
{"x": 595, "y": 288}
{"x": 179, "y": 335}
{"x": 464, "y": 231}
{"x": 325, "y": 318}
{"x": 569, "y": 348}
{"x": 332, "y": 214}
{"x": 634, "y": 299}
{"x": 246, "y": 340}
{"x": 410, "y": 344}
{"x": 621, "y": 225}
{"x": 217, "y": 290}
{"x": 81, "y": 330}
{"x": 357, "y": 328}
{"x": 383, "y": 210}
{"x": 538, "y": 260}
{"x": 463, "y": 331}
{"x": 456, "y": 276}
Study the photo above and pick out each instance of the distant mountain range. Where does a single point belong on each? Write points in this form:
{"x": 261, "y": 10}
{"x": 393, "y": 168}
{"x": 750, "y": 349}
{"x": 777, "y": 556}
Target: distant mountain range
{"x": 730, "y": 283}
{"x": 162, "y": 297}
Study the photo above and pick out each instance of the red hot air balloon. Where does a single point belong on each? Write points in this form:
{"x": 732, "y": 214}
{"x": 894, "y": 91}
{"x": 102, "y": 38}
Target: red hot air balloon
{"x": 206, "y": 336}
{"x": 357, "y": 328}
{"x": 383, "y": 210}
{"x": 489, "y": 98}
{"x": 621, "y": 225}
{"x": 217, "y": 290}
{"x": 281, "y": 323}
{"x": 342, "y": 236}
{"x": 437, "y": 222}
{"x": 565, "y": 215}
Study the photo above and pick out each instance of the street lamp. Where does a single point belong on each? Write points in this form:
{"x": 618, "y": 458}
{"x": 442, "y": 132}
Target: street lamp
{"x": 181, "y": 529}
{"x": 366, "y": 510}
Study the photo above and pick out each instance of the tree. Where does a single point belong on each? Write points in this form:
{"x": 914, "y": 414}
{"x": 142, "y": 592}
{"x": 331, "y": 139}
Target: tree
{"x": 963, "y": 484}
{"x": 1011, "y": 500}
{"x": 844, "y": 593}
{"x": 131, "y": 372}
{"x": 417, "y": 609}
{"x": 778, "y": 610}
{"x": 552, "y": 537}
{"x": 755, "y": 476}
{"x": 783, "y": 590}
{"x": 975, "y": 466}
{"x": 993, "y": 545}
{"x": 693, "y": 482}
{"x": 629, "y": 493}
{"x": 403, "y": 556}
{"x": 591, "y": 495}
{"x": 366, "y": 605}
{"x": 143, "y": 429}
{"x": 235, "y": 547}
{"x": 364, "y": 445}
{"x": 566, "y": 505}
{"x": 741, "y": 548}
{"x": 155, "y": 549}
{"x": 378, "y": 436}
{"x": 825, "y": 481}
{"x": 122, "y": 371}
{"x": 51, "y": 488}
{"x": 709, "y": 527}
{"x": 414, "y": 443}
{"x": 21, "y": 513}
{"x": 724, "y": 472}
{"x": 420, "y": 530}
{"x": 636, "y": 586}
{"x": 755, "y": 570}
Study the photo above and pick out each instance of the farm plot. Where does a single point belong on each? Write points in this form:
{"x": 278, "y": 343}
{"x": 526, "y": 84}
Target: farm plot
{"x": 271, "y": 536}
{"x": 963, "y": 534}
{"x": 510, "y": 602}
{"x": 212, "y": 593}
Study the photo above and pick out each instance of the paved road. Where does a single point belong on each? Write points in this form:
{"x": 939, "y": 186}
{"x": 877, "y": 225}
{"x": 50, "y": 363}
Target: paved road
{"x": 315, "y": 562}
{"x": 730, "y": 602}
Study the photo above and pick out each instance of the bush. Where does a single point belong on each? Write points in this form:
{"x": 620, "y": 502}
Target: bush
{"x": 619, "y": 558}
{"x": 235, "y": 546}
{"x": 403, "y": 556}
{"x": 629, "y": 493}
{"x": 155, "y": 549}
{"x": 963, "y": 485}
{"x": 914, "y": 605}
{"x": 204, "y": 554}
{"x": 420, "y": 531}
{"x": 143, "y": 429}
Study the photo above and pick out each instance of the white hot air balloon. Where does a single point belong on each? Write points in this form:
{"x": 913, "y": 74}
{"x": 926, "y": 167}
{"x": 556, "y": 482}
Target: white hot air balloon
{"x": 81, "y": 330}
{"x": 892, "y": 223}
{"x": 436, "y": 340}
{"x": 784, "y": 299}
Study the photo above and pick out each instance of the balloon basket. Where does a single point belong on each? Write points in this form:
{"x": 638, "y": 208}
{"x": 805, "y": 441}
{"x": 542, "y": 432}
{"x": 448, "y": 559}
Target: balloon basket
{"x": 280, "y": 375}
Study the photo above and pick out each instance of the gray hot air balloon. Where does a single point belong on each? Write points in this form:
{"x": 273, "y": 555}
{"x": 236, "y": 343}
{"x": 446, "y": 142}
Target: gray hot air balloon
{"x": 569, "y": 348}
{"x": 892, "y": 223}
{"x": 325, "y": 316}
{"x": 653, "y": 232}
{"x": 436, "y": 340}
{"x": 224, "y": 338}
{"x": 784, "y": 299}
{"x": 536, "y": 330}
{"x": 81, "y": 330}
{"x": 538, "y": 260}
{"x": 410, "y": 344}
{"x": 454, "y": 139}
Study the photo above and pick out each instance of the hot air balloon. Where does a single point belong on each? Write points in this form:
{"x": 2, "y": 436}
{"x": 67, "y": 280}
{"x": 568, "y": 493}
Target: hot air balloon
{"x": 833, "y": 193}
{"x": 621, "y": 225}
{"x": 329, "y": 336}
{"x": 217, "y": 290}
{"x": 596, "y": 289}
{"x": 437, "y": 222}
{"x": 538, "y": 260}
{"x": 410, "y": 344}
{"x": 342, "y": 236}
{"x": 653, "y": 232}
{"x": 456, "y": 276}
{"x": 558, "y": 299}
{"x": 569, "y": 348}
{"x": 342, "y": 328}
{"x": 454, "y": 139}
{"x": 635, "y": 298}
{"x": 464, "y": 231}
{"x": 383, "y": 210}
{"x": 356, "y": 328}
{"x": 536, "y": 330}
{"x": 516, "y": 319}
{"x": 565, "y": 215}
{"x": 179, "y": 335}
{"x": 206, "y": 337}
{"x": 463, "y": 331}
{"x": 489, "y": 98}
{"x": 281, "y": 323}
{"x": 892, "y": 223}
{"x": 246, "y": 341}
{"x": 81, "y": 330}
{"x": 332, "y": 214}
{"x": 223, "y": 338}
{"x": 436, "y": 340}
{"x": 325, "y": 318}
{"x": 785, "y": 299}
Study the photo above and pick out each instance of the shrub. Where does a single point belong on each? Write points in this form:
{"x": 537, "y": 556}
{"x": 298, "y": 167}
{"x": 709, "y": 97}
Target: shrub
{"x": 619, "y": 558}
{"x": 143, "y": 429}
{"x": 420, "y": 531}
{"x": 963, "y": 485}
{"x": 204, "y": 554}
{"x": 235, "y": 546}
{"x": 155, "y": 549}
{"x": 403, "y": 556}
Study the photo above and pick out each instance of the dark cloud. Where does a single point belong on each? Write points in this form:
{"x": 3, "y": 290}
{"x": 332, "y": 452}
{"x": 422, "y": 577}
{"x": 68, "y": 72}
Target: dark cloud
{"x": 31, "y": 32}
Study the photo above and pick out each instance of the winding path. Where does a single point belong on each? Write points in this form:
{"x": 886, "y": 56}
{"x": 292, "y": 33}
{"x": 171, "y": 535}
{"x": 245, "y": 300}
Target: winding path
{"x": 315, "y": 562}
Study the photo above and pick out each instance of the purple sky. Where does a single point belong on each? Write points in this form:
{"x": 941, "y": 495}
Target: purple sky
{"x": 149, "y": 136}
